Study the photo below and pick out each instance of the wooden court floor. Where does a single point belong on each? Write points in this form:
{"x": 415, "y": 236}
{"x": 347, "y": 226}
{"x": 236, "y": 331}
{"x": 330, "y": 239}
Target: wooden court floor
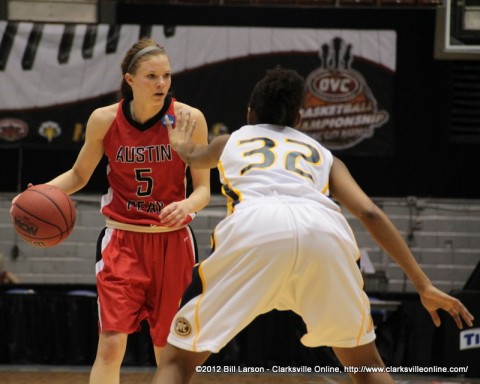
{"x": 76, "y": 375}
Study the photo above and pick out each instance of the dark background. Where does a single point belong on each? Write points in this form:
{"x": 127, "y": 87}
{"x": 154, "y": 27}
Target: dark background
{"x": 431, "y": 157}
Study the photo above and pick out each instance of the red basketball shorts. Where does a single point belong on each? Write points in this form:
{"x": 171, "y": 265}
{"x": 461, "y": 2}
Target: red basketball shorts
{"x": 142, "y": 276}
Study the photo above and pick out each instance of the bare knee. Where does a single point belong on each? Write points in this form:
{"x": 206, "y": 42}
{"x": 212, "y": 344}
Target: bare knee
{"x": 111, "y": 347}
{"x": 177, "y": 366}
{"x": 184, "y": 360}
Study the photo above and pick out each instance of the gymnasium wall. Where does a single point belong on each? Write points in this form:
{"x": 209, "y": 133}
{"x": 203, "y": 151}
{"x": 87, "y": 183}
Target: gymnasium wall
{"x": 444, "y": 235}
{"x": 426, "y": 156}
{"x": 428, "y": 177}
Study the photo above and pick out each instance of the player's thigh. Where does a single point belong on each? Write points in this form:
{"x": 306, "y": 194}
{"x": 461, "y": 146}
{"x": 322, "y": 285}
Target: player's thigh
{"x": 329, "y": 296}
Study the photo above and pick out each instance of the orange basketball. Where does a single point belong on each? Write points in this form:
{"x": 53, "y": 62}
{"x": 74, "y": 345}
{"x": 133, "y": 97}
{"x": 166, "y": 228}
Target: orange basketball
{"x": 43, "y": 215}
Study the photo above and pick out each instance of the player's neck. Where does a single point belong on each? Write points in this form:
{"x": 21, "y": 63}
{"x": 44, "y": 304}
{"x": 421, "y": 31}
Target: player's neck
{"x": 142, "y": 114}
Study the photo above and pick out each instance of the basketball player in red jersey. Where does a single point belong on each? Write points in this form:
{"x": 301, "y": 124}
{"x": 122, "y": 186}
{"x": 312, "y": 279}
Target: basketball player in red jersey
{"x": 147, "y": 250}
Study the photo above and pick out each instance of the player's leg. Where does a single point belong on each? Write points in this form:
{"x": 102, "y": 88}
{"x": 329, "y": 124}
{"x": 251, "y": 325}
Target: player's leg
{"x": 330, "y": 276}
{"x": 158, "y": 351}
{"x": 177, "y": 366}
{"x": 172, "y": 274}
{"x": 110, "y": 352}
{"x": 359, "y": 359}
{"x": 119, "y": 280}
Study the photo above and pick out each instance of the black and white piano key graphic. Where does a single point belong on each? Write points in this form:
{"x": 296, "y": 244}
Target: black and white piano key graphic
{"x": 33, "y": 42}
{"x": 54, "y": 63}
{"x": 7, "y": 43}
{"x": 49, "y": 64}
{"x": 66, "y": 43}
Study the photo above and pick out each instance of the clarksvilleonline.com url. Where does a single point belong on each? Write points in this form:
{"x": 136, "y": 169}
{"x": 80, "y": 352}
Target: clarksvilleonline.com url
{"x": 328, "y": 369}
{"x": 413, "y": 369}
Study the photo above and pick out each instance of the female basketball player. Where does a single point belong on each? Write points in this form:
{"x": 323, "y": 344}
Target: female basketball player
{"x": 147, "y": 249}
{"x": 285, "y": 245}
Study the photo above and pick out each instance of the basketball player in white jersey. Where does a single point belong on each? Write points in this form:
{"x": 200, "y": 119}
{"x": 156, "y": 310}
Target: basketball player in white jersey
{"x": 285, "y": 244}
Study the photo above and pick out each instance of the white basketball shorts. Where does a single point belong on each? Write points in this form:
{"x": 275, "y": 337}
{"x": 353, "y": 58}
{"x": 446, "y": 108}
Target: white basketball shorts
{"x": 277, "y": 253}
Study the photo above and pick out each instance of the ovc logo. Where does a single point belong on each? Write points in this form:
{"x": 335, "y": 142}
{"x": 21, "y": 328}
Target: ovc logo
{"x": 182, "y": 327}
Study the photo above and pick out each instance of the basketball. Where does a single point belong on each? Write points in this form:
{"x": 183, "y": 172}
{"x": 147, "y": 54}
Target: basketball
{"x": 43, "y": 215}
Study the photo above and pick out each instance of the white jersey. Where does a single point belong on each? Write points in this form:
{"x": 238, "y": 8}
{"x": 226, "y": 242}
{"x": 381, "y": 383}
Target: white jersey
{"x": 275, "y": 161}
{"x": 285, "y": 246}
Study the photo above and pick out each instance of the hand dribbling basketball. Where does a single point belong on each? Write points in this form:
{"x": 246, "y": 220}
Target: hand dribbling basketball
{"x": 43, "y": 215}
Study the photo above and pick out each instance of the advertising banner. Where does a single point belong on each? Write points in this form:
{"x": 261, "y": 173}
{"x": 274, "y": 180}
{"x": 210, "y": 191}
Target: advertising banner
{"x": 52, "y": 76}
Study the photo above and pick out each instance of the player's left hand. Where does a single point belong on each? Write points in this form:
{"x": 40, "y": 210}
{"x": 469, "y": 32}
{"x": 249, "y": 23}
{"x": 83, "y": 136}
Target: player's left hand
{"x": 183, "y": 130}
{"x": 174, "y": 214}
{"x": 433, "y": 299}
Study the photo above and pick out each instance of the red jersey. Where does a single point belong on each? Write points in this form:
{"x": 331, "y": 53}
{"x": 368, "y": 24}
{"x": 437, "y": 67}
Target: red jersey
{"x": 144, "y": 173}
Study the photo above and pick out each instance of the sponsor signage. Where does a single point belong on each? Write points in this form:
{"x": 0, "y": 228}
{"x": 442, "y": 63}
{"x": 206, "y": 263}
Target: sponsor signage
{"x": 470, "y": 339}
{"x": 349, "y": 75}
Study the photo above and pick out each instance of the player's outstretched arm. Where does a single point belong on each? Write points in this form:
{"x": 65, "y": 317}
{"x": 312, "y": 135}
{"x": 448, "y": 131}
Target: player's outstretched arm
{"x": 175, "y": 213}
{"x": 349, "y": 194}
{"x": 195, "y": 155}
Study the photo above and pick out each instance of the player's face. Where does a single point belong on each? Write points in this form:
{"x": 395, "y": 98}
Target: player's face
{"x": 152, "y": 79}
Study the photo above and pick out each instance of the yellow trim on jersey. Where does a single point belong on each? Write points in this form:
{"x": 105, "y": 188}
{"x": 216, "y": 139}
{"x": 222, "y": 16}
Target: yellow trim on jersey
{"x": 197, "y": 305}
{"x": 213, "y": 240}
{"x": 228, "y": 190}
{"x": 370, "y": 324}
{"x": 326, "y": 189}
{"x": 360, "y": 332}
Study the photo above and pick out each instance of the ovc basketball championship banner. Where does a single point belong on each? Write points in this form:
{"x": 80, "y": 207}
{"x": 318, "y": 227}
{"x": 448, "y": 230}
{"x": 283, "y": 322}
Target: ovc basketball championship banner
{"x": 53, "y": 76}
